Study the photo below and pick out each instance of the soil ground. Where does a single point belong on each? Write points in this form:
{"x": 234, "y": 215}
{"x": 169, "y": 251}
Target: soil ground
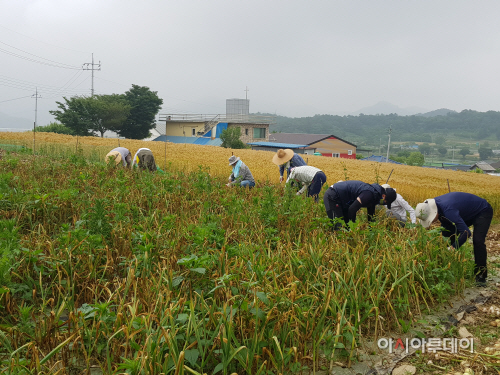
{"x": 469, "y": 315}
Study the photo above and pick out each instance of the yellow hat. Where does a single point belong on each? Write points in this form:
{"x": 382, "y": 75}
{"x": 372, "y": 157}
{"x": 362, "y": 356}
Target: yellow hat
{"x": 114, "y": 154}
{"x": 282, "y": 156}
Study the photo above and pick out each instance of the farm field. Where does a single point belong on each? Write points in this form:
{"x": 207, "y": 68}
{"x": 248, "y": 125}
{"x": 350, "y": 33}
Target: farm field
{"x": 113, "y": 271}
{"x": 414, "y": 183}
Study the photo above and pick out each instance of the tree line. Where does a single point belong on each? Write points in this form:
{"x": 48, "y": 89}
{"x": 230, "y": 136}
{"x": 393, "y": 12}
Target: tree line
{"x": 467, "y": 124}
{"x": 130, "y": 115}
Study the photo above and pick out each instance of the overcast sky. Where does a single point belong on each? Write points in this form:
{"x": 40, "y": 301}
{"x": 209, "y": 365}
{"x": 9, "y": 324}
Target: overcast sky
{"x": 297, "y": 58}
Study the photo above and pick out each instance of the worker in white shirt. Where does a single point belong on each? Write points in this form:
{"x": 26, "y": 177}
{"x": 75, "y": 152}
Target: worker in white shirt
{"x": 311, "y": 179}
{"x": 144, "y": 159}
{"x": 399, "y": 208}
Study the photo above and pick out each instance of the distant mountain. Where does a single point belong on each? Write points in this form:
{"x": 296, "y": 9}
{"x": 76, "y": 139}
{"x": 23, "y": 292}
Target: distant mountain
{"x": 12, "y": 124}
{"x": 437, "y": 112}
{"x": 386, "y": 108}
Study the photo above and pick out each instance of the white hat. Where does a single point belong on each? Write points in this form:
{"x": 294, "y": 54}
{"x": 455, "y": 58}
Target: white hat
{"x": 233, "y": 159}
{"x": 426, "y": 212}
{"x": 385, "y": 186}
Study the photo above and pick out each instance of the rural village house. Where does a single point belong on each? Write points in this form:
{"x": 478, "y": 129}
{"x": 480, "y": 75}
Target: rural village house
{"x": 325, "y": 144}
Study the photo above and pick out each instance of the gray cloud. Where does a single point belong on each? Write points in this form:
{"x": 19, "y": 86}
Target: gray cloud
{"x": 298, "y": 58}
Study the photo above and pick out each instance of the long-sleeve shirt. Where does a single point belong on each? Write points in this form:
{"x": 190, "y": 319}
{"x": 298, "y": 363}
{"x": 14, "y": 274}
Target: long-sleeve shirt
{"x": 134, "y": 160}
{"x": 295, "y": 161}
{"x": 400, "y": 207}
{"x": 349, "y": 192}
{"x": 243, "y": 175}
{"x": 124, "y": 152}
{"x": 456, "y": 212}
{"x": 304, "y": 174}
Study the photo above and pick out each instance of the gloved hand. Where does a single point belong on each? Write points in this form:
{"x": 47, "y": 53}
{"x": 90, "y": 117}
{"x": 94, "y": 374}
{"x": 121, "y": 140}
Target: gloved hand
{"x": 297, "y": 193}
{"x": 281, "y": 179}
{"x": 450, "y": 248}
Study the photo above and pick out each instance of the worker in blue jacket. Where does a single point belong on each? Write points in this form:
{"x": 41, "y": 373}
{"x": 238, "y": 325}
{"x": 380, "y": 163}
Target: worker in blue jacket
{"x": 457, "y": 212}
{"x": 344, "y": 199}
{"x": 287, "y": 159}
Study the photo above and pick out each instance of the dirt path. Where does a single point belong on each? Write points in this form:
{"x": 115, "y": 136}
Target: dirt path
{"x": 469, "y": 316}
{"x": 481, "y": 308}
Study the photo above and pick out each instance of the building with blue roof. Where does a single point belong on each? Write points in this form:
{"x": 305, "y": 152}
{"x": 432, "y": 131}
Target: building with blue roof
{"x": 187, "y": 128}
{"x": 274, "y": 146}
{"x": 380, "y": 159}
{"x": 206, "y": 141}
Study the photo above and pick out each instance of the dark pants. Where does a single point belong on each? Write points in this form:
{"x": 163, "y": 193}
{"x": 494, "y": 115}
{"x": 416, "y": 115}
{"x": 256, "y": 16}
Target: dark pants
{"x": 333, "y": 207}
{"x": 317, "y": 183}
{"x": 481, "y": 225}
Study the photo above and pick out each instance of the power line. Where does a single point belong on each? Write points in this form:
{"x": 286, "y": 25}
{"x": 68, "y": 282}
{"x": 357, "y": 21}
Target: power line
{"x": 73, "y": 78}
{"x": 9, "y": 100}
{"x": 40, "y": 41}
{"x": 86, "y": 67}
{"x": 36, "y": 96}
{"x": 74, "y": 87}
{"x": 46, "y": 90}
{"x": 35, "y": 61}
{"x": 26, "y": 85}
{"x": 61, "y": 65}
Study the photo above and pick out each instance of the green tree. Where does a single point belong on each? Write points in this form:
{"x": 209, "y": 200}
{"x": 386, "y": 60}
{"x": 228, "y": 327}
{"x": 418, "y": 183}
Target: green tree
{"x": 54, "y": 127}
{"x": 415, "y": 158}
{"x": 442, "y": 150}
{"x": 425, "y": 148}
{"x": 231, "y": 138}
{"x": 113, "y": 112}
{"x": 485, "y": 151}
{"x": 144, "y": 105}
{"x": 92, "y": 115}
{"x": 399, "y": 159}
{"x": 440, "y": 139}
{"x": 464, "y": 152}
{"x": 74, "y": 114}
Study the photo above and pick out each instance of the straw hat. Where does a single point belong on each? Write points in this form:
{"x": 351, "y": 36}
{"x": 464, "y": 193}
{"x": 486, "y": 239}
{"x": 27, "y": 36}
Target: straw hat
{"x": 426, "y": 212}
{"x": 233, "y": 159}
{"x": 114, "y": 155}
{"x": 282, "y": 156}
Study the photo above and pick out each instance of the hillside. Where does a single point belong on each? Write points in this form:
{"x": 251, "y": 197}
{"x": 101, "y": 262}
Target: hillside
{"x": 367, "y": 129}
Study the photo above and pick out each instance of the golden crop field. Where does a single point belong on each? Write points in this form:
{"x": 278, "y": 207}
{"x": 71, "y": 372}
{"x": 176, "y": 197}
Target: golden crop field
{"x": 414, "y": 183}
{"x": 120, "y": 272}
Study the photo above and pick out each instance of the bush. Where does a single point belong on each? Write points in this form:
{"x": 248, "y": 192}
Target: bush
{"x": 54, "y": 127}
{"x": 231, "y": 138}
{"x": 415, "y": 158}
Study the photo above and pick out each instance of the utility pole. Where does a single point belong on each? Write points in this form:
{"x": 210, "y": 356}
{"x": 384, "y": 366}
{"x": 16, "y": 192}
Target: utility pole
{"x": 36, "y": 113}
{"x": 90, "y": 66}
{"x": 246, "y": 92}
{"x": 389, "y": 144}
